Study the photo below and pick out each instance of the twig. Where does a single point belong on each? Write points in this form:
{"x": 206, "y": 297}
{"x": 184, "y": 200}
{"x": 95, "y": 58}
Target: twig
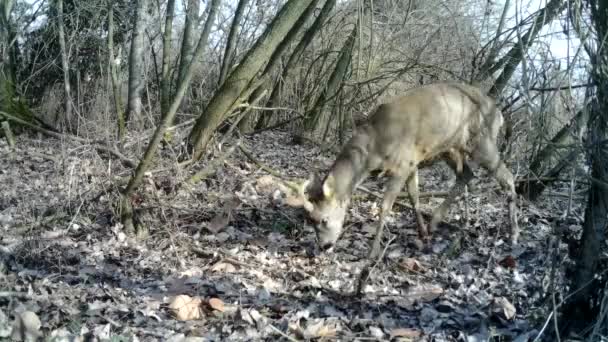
{"x": 96, "y": 144}
{"x": 24, "y": 295}
{"x": 365, "y": 273}
{"x": 282, "y": 333}
{"x": 277, "y": 125}
{"x": 213, "y": 165}
{"x": 292, "y": 185}
{"x": 585, "y": 85}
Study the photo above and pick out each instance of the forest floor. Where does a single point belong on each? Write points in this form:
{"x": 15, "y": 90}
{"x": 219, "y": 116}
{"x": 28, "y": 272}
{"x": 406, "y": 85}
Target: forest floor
{"x": 248, "y": 261}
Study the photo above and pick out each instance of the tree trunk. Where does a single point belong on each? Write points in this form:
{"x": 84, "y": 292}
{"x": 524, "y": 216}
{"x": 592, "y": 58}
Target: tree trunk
{"x": 245, "y": 125}
{"x": 187, "y": 50}
{"x": 8, "y": 54}
{"x": 231, "y": 40}
{"x": 567, "y": 136}
{"x": 64, "y": 65}
{"x": 120, "y": 115}
{"x": 136, "y": 56}
{"x": 495, "y": 49}
{"x": 273, "y": 99}
{"x": 583, "y": 307}
{"x": 167, "y": 119}
{"x": 333, "y": 84}
{"x": 512, "y": 59}
{"x": 165, "y": 82}
{"x": 241, "y": 77}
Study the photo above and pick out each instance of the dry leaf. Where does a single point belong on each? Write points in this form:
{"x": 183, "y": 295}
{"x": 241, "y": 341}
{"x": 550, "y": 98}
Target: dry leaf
{"x": 412, "y": 265}
{"x": 186, "y": 308}
{"x": 406, "y": 332}
{"x": 26, "y": 327}
{"x": 318, "y": 329}
{"x": 223, "y": 267}
{"x": 219, "y": 222}
{"x": 508, "y": 262}
{"x": 216, "y": 304}
{"x": 222, "y": 219}
{"x": 503, "y": 308}
{"x": 424, "y": 293}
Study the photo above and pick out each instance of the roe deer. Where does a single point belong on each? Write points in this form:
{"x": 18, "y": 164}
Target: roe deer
{"x": 448, "y": 121}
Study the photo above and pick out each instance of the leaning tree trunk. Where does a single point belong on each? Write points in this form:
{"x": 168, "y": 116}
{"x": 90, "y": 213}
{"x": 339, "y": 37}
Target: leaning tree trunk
{"x": 230, "y": 93}
{"x": 188, "y": 40}
{"x": 126, "y": 214}
{"x": 583, "y": 307}
{"x": 165, "y": 82}
{"x": 568, "y": 135}
{"x": 246, "y": 124}
{"x": 310, "y": 33}
{"x": 120, "y": 115}
{"x": 64, "y": 65}
{"x": 231, "y": 40}
{"x": 512, "y": 59}
{"x": 334, "y": 84}
{"x": 136, "y": 56}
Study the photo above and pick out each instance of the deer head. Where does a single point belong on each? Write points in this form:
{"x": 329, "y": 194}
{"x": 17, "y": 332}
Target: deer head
{"x": 326, "y": 208}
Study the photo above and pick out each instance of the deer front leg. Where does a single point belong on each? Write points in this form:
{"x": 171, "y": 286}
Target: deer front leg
{"x": 488, "y": 157}
{"x": 462, "y": 179}
{"x": 505, "y": 179}
{"x": 412, "y": 192}
{"x": 393, "y": 187}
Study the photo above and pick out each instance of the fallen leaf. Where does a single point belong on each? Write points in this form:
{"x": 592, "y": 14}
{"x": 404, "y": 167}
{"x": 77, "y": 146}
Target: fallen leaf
{"x": 318, "y": 329}
{"x": 508, "y": 262}
{"x": 406, "y": 332}
{"x": 223, "y": 267}
{"x": 412, "y": 265}
{"x": 26, "y": 327}
{"x": 216, "y": 304}
{"x": 222, "y": 219}
{"x": 186, "y": 308}
{"x": 424, "y": 293}
{"x": 503, "y": 308}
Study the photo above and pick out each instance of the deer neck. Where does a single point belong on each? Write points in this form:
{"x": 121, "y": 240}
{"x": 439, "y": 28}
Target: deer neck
{"x": 351, "y": 167}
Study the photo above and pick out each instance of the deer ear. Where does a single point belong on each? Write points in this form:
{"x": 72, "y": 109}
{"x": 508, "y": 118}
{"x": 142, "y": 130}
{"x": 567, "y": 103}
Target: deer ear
{"x": 329, "y": 186}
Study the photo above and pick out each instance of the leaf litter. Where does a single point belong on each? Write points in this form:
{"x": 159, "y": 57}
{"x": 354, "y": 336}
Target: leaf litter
{"x": 230, "y": 258}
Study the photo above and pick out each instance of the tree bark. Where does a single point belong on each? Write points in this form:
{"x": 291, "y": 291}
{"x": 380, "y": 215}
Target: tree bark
{"x": 165, "y": 82}
{"x": 245, "y": 125}
{"x": 167, "y": 119}
{"x": 187, "y": 50}
{"x": 120, "y": 115}
{"x": 568, "y": 135}
{"x": 241, "y": 77}
{"x": 231, "y": 40}
{"x": 136, "y": 56}
{"x": 64, "y": 65}
{"x": 333, "y": 84}
{"x": 310, "y": 33}
{"x": 583, "y": 307}
{"x": 512, "y": 59}
{"x": 7, "y": 31}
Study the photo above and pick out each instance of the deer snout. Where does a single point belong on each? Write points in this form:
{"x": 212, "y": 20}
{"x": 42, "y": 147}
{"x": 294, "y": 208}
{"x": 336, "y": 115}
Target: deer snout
{"x": 327, "y": 236}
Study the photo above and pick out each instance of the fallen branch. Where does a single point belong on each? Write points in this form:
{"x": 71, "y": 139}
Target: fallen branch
{"x": 96, "y": 144}
{"x": 213, "y": 165}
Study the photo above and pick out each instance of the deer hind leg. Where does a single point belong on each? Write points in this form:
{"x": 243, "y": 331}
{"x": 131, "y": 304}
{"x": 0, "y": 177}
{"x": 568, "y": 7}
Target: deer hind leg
{"x": 488, "y": 157}
{"x": 412, "y": 192}
{"x": 464, "y": 174}
{"x": 393, "y": 187}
